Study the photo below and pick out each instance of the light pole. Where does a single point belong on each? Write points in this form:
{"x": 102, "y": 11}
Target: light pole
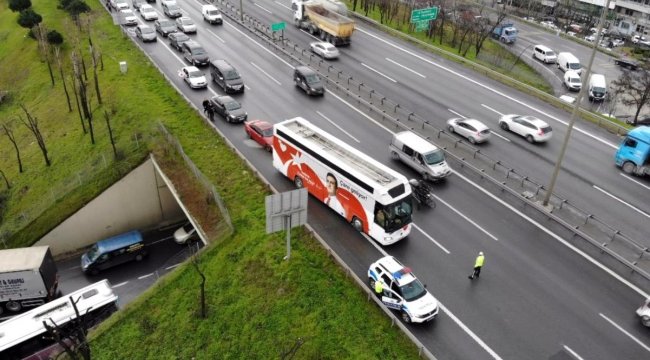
{"x": 576, "y": 107}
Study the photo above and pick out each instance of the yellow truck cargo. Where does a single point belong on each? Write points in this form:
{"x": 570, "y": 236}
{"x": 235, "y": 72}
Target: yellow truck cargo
{"x": 326, "y": 19}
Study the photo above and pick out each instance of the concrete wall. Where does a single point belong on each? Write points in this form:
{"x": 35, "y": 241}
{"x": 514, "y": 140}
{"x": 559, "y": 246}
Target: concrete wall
{"x": 140, "y": 200}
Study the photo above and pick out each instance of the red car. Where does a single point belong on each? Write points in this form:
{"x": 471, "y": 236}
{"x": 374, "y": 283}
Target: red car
{"x": 260, "y": 131}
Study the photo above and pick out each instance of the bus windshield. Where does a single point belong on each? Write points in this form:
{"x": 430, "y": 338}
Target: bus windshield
{"x": 396, "y": 214}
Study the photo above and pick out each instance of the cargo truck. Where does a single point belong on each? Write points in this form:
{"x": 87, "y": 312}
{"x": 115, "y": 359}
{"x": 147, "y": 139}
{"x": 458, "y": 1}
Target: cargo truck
{"x": 28, "y": 278}
{"x": 506, "y": 33}
{"x": 326, "y": 19}
{"x": 633, "y": 155}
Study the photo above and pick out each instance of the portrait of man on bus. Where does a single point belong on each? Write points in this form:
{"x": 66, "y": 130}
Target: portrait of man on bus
{"x": 331, "y": 200}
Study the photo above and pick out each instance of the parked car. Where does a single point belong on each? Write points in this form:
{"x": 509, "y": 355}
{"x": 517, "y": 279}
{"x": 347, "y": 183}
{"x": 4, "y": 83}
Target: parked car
{"x": 530, "y": 127}
{"x": 472, "y": 129}
{"x": 165, "y": 27}
{"x": 171, "y": 9}
{"x": 308, "y": 80}
{"x": 590, "y": 38}
{"x": 145, "y": 33}
{"x": 186, "y": 25}
{"x": 324, "y": 49}
{"x": 402, "y": 291}
{"x": 148, "y": 13}
{"x": 229, "y": 108}
{"x": 184, "y": 234}
{"x": 176, "y": 40}
{"x": 128, "y": 17}
{"x": 194, "y": 53}
{"x": 194, "y": 77}
{"x": 260, "y": 131}
{"x": 618, "y": 42}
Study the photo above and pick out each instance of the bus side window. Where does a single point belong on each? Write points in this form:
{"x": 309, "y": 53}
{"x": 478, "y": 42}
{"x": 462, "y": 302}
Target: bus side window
{"x": 629, "y": 142}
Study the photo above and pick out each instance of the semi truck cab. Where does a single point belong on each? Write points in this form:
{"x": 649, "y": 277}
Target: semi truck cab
{"x": 633, "y": 155}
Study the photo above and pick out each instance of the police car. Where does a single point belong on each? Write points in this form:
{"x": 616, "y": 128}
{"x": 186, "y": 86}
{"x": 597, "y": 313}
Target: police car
{"x": 402, "y": 290}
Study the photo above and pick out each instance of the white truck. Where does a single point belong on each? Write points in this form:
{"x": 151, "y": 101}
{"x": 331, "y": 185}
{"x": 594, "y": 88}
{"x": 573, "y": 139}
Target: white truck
{"x": 326, "y": 19}
{"x": 28, "y": 278}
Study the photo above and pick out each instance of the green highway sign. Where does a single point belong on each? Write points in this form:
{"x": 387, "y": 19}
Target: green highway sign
{"x": 421, "y": 25}
{"x": 278, "y": 26}
{"x": 424, "y": 14}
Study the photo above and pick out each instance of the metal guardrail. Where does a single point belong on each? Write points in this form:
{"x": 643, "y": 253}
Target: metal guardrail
{"x": 584, "y": 227}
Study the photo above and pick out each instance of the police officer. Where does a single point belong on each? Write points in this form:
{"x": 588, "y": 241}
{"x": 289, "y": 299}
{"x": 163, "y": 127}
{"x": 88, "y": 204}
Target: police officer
{"x": 379, "y": 287}
{"x": 478, "y": 264}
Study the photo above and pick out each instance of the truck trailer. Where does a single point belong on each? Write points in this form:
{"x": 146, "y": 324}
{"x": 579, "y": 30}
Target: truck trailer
{"x": 28, "y": 278}
{"x": 633, "y": 155}
{"x": 326, "y": 19}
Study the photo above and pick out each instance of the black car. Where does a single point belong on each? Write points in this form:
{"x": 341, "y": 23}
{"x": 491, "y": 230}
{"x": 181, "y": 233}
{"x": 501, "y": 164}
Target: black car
{"x": 229, "y": 108}
{"x": 194, "y": 53}
{"x": 226, "y": 76}
{"x": 165, "y": 27}
{"x": 308, "y": 80}
{"x": 176, "y": 40}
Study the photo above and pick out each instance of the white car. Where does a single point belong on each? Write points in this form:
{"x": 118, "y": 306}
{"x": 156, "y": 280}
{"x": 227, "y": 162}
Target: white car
{"x": 194, "y": 77}
{"x": 472, "y": 129}
{"x": 324, "y": 49}
{"x": 590, "y": 38}
{"x": 402, "y": 291}
{"x": 643, "y": 312}
{"x": 572, "y": 81}
{"x": 186, "y": 25}
{"x": 618, "y": 42}
{"x": 120, "y": 5}
{"x": 148, "y": 12}
{"x": 530, "y": 127}
{"x": 184, "y": 233}
{"x": 128, "y": 17}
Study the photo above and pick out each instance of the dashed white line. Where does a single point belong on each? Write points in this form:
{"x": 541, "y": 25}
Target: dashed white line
{"x": 371, "y": 69}
{"x": 283, "y": 5}
{"x": 491, "y": 109}
{"x": 338, "y": 127}
{"x": 622, "y": 202}
{"x": 265, "y": 73}
{"x": 263, "y": 8}
{"x": 466, "y": 218}
{"x": 500, "y": 136}
{"x": 457, "y": 113}
{"x": 120, "y": 284}
{"x": 625, "y": 332}
{"x": 217, "y": 36}
{"x": 171, "y": 267}
{"x": 573, "y": 353}
{"x": 431, "y": 238}
{"x": 635, "y": 181}
{"x": 145, "y": 276}
{"x": 406, "y": 68}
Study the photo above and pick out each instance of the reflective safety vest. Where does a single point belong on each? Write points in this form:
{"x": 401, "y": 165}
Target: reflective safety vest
{"x": 479, "y": 261}
{"x": 379, "y": 287}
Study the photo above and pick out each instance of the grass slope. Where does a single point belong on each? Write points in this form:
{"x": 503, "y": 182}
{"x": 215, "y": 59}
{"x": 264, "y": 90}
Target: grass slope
{"x": 259, "y": 305}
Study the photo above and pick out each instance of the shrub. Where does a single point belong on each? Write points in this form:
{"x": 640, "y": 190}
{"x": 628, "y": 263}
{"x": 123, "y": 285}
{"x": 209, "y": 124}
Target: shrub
{"x": 76, "y": 7}
{"x": 19, "y": 5}
{"x": 29, "y": 18}
{"x": 54, "y": 37}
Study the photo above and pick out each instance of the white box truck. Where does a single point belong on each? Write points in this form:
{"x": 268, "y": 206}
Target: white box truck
{"x": 28, "y": 278}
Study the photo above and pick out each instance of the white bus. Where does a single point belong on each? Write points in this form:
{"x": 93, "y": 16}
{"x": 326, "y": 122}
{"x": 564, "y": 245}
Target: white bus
{"x": 375, "y": 199}
{"x": 25, "y": 337}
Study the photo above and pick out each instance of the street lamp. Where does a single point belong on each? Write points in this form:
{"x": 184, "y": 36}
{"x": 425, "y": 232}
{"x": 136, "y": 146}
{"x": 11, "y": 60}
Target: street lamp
{"x": 576, "y": 107}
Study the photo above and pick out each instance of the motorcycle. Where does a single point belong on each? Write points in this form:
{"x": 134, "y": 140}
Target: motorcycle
{"x": 422, "y": 193}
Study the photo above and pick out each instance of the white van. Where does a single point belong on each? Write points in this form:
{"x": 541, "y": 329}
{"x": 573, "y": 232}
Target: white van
{"x": 421, "y": 155}
{"x": 544, "y": 54}
{"x": 597, "y": 87}
{"x": 572, "y": 81}
{"x": 211, "y": 14}
{"x": 567, "y": 61}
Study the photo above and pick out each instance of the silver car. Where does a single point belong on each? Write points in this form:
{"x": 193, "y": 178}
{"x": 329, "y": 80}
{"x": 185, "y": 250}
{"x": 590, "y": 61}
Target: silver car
{"x": 194, "y": 77}
{"x": 474, "y": 130}
{"x": 185, "y": 24}
{"x": 148, "y": 12}
{"x": 325, "y": 50}
{"x": 145, "y": 33}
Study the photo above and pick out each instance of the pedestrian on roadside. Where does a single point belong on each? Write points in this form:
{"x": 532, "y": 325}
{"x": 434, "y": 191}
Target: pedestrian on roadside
{"x": 478, "y": 264}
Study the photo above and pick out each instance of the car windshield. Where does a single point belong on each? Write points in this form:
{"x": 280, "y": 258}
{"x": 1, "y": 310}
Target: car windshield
{"x": 173, "y": 7}
{"x": 267, "y": 132}
{"x": 575, "y": 66}
{"x": 213, "y": 12}
{"x": 198, "y": 51}
{"x": 312, "y": 79}
{"x": 195, "y": 73}
{"x": 434, "y": 157}
{"x": 181, "y": 37}
{"x": 231, "y": 75}
{"x": 148, "y": 10}
{"x": 599, "y": 90}
{"x": 93, "y": 253}
{"x": 187, "y": 22}
{"x": 575, "y": 80}
{"x": 167, "y": 23}
{"x": 413, "y": 290}
{"x": 396, "y": 214}
{"x": 550, "y": 53}
{"x": 232, "y": 105}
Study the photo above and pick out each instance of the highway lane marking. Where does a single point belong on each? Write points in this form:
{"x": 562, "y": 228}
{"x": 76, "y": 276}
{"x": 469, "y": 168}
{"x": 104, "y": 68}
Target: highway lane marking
{"x": 283, "y": 5}
{"x": 465, "y": 217}
{"x": 338, "y": 127}
{"x": 260, "y": 45}
{"x": 491, "y": 109}
{"x": 622, "y": 202}
{"x": 520, "y": 102}
{"x": 635, "y": 181}
{"x": 215, "y": 35}
{"x": 457, "y": 114}
{"x": 370, "y": 68}
{"x": 430, "y": 238}
{"x": 161, "y": 240}
{"x": 406, "y": 68}
{"x": 263, "y": 8}
{"x": 145, "y": 276}
{"x": 555, "y": 236}
{"x": 171, "y": 267}
{"x": 265, "y": 73}
{"x": 120, "y": 284}
{"x": 572, "y": 353}
{"x": 625, "y": 332}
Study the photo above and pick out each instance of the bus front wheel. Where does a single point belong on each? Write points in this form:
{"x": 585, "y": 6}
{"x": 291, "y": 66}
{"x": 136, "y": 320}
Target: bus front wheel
{"x": 298, "y": 181}
{"x": 357, "y": 224}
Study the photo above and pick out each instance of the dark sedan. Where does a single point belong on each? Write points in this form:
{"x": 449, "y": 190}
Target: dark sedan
{"x": 176, "y": 40}
{"x": 165, "y": 27}
{"x": 229, "y": 108}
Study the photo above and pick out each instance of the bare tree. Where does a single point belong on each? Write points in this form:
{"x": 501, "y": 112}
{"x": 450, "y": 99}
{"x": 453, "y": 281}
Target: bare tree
{"x": 195, "y": 263}
{"x": 40, "y": 32}
{"x": 110, "y": 133}
{"x": 5, "y": 179}
{"x": 634, "y": 88}
{"x": 10, "y": 134}
{"x": 32, "y": 125}
{"x": 57, "y": 55}
{"x": 484, "y": 29}
{"x": 55, "y": 332}
{"x": 76, "y": 98}
{"x": 93, "y": 56}
{"x": 82, "y": 89}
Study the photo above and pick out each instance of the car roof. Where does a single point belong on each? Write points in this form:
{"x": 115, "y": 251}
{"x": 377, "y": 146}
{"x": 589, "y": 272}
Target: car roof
{"x": 191, "y": 68}
{"x": 118, "y": 241}
{"x": 261, "y": 124}
{"x": 224, "y": 98}
{"x": 145, "y": 6}
{"x": 534, "y": 120}
{"x": 399, "y": 272}
{"x": 475, "y": 123}
{"x": 305, "y": 70}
